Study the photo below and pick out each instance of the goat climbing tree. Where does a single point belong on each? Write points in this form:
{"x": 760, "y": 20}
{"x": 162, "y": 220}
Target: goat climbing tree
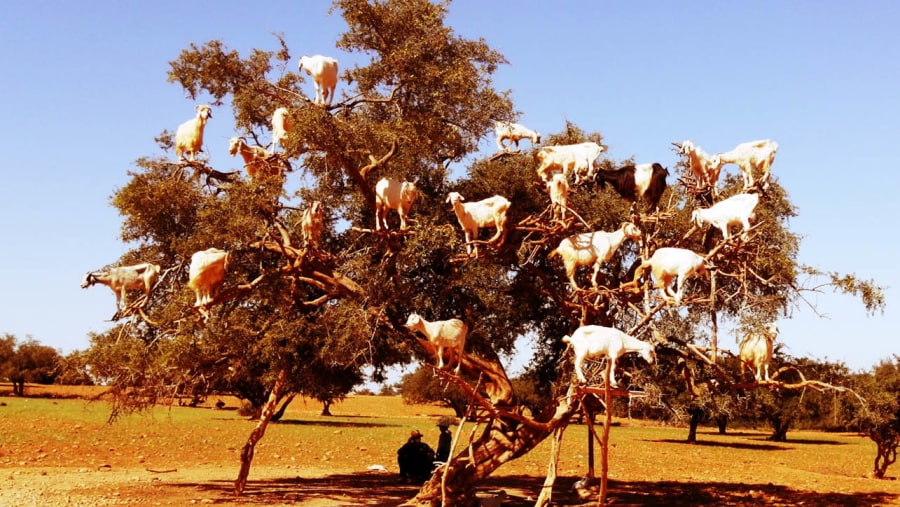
{"x": 291, "y": 319}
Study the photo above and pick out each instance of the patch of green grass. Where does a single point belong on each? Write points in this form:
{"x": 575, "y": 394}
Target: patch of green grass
{"x": 368, "y": 430}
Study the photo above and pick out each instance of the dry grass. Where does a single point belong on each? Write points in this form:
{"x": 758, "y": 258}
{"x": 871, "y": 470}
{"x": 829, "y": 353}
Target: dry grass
{"x": 62, "y": 451}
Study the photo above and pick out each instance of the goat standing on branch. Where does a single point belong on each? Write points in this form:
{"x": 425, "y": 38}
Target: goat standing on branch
{"x": 754, "y": 156}
{"x": 756, "y": 351}
{"x": 324, "y": 72}
{"x": 391, "y": 194}
{"x": 311, "y": 225}
{"x": 513, "y": 132}
{"x": 669, "y": 265}
{"x": 737, "y": 209}
{"x": 281, "y": 126}
{"x": 206, "y": 274}
{"x": 599, "y": 341}
{"x": 642, "y": 181}
{"x": 443, "y": 334}
{"x": 122, "y": 279}
{"x": 189, "y": 136}
{"x": 568, "y": 159}
{"x": 558, "y": 187}
{"x": 254, "y": 156}
{"x": 704, "y": 167}
{"x": 490, "y": 212}
{"x": 592, "y": 248}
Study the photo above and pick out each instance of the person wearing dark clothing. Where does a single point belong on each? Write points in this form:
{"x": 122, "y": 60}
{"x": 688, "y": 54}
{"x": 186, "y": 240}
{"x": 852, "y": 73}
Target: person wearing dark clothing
{"x": 444, "y": 441}
{"x": 416, "y": 459}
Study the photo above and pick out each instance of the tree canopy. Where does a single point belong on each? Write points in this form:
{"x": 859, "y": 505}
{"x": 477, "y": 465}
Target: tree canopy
{"x": 27, "y": 361}
{"x": 292, "y": 318}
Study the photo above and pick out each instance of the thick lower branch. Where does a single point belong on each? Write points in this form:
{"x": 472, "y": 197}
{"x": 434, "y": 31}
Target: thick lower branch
{"x": 256, "y": 435}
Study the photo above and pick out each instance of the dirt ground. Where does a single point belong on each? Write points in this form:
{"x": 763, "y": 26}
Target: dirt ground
{"x": 315, "y": 488}
{"x": 63, "y": 453}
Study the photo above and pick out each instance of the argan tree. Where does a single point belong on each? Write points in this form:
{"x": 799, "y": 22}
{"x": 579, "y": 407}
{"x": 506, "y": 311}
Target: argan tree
{"x": 27, "y": 361}
{"x": 292, "y": 316}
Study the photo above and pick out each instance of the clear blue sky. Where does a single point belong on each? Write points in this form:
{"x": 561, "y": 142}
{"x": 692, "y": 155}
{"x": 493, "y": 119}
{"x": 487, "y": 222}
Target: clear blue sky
{"x": 83, "y": 92}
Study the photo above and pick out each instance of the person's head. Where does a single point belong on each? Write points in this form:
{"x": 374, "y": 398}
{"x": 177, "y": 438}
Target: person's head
{"x": 443, "y": 423}
{"x": 415, "y": 436}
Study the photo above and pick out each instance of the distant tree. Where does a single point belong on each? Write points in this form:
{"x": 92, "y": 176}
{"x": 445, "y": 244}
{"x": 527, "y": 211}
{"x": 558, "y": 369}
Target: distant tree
{"x": 7, "y": 351}
{"x": 880, "y": 420}
{"x": 531, "y": 393}
{"x": 332, "y": 384}
{"x": 809, "y": 407}
{"x": 74, "y": 370}
{"x": 389, "y": 389}
{"x": 423, "y": 386}
{"x": 27, "y": 362}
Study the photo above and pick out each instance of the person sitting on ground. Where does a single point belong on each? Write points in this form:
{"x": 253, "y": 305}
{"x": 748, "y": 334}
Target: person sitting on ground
{"x": 416, "y": 459}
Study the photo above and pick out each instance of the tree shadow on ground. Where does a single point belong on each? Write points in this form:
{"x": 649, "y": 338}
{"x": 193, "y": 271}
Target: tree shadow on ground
{"x": 385, "y": 490}
{"x": 364, "y": 489}
{"x": 751, "y": 446}
{"x": 335, "y": 423}
{"x": 759, "y": 438}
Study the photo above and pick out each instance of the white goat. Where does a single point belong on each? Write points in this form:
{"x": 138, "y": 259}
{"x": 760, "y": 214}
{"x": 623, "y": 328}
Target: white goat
{"x": 443, "y": 334}
{"x": 254, "y": 156}
{"x": 752, "y": 156}
{"x": 124, "y": 278}
{"x": 558, "y": 187}
{"x": 189, "y": 136}
{"x": 490, "y": 212}
{"x": 205, "y": 277}
{"x": 703, "y": 166}
{"x": 391, "y": 194}
{"x": 281, "y": 126}
{"x": 737, "y": 209}
{"x": 311, "y": 225}
{"x": 756, "y": 351}
{"x": 513, "y": 132}
{"x": 592, "y": 248}
{"x": 596, "y": 341}
{"x": 668, "y": 264}
{"x": 568, "y": 159}
{"x": 324, "y": 72}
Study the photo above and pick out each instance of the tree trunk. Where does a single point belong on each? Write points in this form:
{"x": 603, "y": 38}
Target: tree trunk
{"x": 714, "y": 331}
{"x": 506, "y": 436}
{"x": 326, "y": 407}
{"x": 256, "y": 435}
{"x": 780, "y": 426}
{"x": 503, "y": 440}
{"x": 887, "y": 455}
{"x": 696, "y": 415}
{"x": 18, "y": 387}
{"x": 284, "y": 405}
{"x": 722, "y": 423}
{"x": 547, "y": 491}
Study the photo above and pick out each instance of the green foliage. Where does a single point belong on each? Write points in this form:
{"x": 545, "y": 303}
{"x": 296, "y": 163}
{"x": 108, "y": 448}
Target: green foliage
{"x": 27, "y": 361}
{"x": 423, "y": 386}
{"x": 880, "y": 418}
{"x": 423, "y": 100}
{"x": 74, "y": 370}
